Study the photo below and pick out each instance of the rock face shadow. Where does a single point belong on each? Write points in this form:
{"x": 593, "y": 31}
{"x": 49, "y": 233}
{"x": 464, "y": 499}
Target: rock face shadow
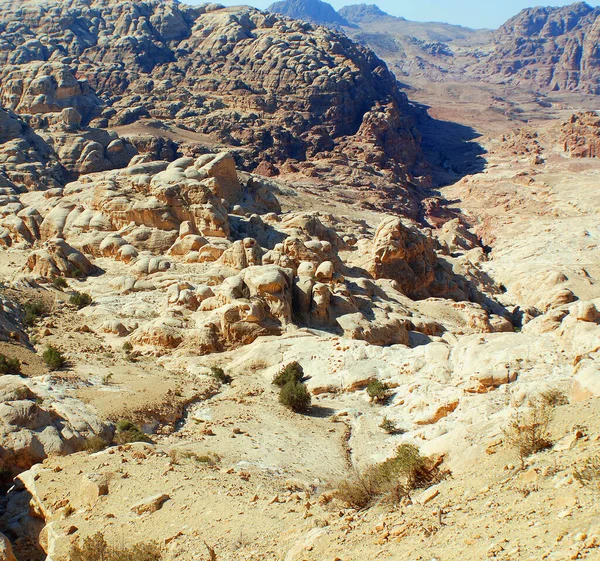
{"x": 450, "y": 148}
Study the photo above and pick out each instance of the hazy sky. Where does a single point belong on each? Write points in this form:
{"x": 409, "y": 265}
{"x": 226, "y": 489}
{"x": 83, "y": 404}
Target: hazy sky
{"x": 472, "y": 13}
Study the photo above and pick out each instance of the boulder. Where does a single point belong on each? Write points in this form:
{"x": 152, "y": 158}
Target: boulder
{"x": 58, "y": 258}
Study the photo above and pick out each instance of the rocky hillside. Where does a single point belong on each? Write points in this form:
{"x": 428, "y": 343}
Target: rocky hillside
{"x": 314, "y": 11}
{"x": 282, "y": 95}
{"x": 553, "y": 48}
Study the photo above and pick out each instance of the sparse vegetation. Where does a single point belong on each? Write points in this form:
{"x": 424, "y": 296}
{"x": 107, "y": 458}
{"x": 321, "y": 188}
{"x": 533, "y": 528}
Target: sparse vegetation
{"x": 53, "y": 358}
{"x": 378, "y": 392}
{"x": 554, "y": 397}
{"x": 528, "y": 432}
{"x": 219, "y": 375}
{"x": 209, "y": 459}
{"x": 106, "y": 379}
{"x": 95, "y": 444}
{"x": 96, "y": 548}
{"x": 127, "y": 347}
{"x": 393, "y": 479}
{"x": 9, "y": 365}
{"x": 34, "y": 311}
{"x": 80, "y": 300}
{"x": 127, "y": 432}
{"x": 589, "y": 473}
{"x": 293, "y": 372}
{"x": 389, "y": 426}
{"x": 295, "y": 396}
{"x": 59, "y": 282}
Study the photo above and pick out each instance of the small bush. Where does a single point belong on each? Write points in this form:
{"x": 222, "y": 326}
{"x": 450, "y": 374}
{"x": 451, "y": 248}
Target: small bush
{"x": 34, "y": 311}
{"x": 95, "y": 444}
{"x": 378, "y": 391}
{"x": 359, "y": 491}
{"x": 528, "y": 431}
{"x": 554, "y": 397}
{"x": 589, "y": 473}
{"x": 59, "y": 282}
{"x": 293, "y": 372}
{"x": 127, "y": 347}
{"x": 295, "y": 396}
{"x": 393, "y": 479}
{"x": 9, "y": 365}
{"x": 127, "y": 432}
{"x": 96, "y": 548}
{"x": 53, "y": 358}
{"x": 80, "y": 300}
{"x": 389, "y": 426}
{"x": 219, "y": 375}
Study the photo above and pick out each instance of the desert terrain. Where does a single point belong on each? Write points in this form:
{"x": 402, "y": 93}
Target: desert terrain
{"x": 194, "y": 198}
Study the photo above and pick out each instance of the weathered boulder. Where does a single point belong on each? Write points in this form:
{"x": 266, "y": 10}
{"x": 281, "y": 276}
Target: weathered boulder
{"x": 58, "y": 258}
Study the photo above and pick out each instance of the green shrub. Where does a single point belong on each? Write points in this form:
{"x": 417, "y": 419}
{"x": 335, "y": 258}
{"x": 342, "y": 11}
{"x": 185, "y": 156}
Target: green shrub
{"x": 127, "y": 347}
{"x": 378, "y": 391}
{"x": 293, "y": 372}
{"x": 127, "y": 432}
{"x": 80, "y": 300}
{"x": 53, "y": 358}
{"x": 9, "y": 365}
{"x": 219, "y": 375}
{"x": 59, "y": 282}
{"x": 96, "y": 548}
{"x": 295, "y": 396}
{"x": 409, "y": 465}
{"x": 393, "y": 479}
{"x": 34, "y": 311}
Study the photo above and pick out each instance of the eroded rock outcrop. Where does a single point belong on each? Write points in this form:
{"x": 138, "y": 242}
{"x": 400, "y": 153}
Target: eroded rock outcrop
{"x": 32, "y": 431}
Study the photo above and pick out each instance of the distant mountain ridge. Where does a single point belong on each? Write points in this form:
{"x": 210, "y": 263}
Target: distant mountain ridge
{"x": 551, "y": 48}
{"x": 313, "y": 11}
{"x": 361, "y": 13}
